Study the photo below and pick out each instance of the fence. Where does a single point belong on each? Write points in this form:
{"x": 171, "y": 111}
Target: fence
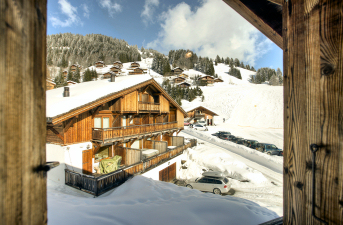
{"x": 98, "y": 185}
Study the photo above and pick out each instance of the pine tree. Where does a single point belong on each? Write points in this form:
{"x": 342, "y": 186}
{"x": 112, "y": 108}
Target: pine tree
{"x": 70, "y": 75}
{"x": 76, "y": 75}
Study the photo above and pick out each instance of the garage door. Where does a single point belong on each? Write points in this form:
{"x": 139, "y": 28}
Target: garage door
{"x": 168, "y": 174}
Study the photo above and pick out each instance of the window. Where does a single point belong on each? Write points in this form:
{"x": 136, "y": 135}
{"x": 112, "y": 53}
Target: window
{"x": 102, "y": 122}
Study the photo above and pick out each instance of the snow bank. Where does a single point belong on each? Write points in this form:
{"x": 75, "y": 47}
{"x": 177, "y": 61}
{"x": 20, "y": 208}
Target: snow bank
{"x": 144, "y": 201}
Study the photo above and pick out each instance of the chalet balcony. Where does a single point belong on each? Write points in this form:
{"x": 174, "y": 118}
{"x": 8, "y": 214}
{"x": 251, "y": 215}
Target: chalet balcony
{"x": 127, "y": 132}
{"x": 148, "y": 106}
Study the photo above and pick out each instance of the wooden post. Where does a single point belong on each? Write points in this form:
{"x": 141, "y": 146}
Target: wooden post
{"x": 313, "y": 110}
{"x": 22, "y": 111}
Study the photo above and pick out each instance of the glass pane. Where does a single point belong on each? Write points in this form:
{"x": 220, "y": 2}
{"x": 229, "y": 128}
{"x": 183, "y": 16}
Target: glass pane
{"x": 106, "y": 122}
{"x": 97, "y": 122}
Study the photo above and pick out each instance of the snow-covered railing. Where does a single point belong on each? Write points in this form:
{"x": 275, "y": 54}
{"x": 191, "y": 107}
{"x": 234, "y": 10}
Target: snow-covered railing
{"x": 116, "y": 132}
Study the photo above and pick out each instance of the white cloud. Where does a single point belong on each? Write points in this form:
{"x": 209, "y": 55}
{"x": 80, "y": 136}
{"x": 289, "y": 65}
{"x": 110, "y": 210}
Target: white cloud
{"x": 85, "y": 10}
{"x": 211, "y": 29}
{"x": 112, "y": 7}
{"x": 70, "y": 12}
{"x": 148, "y": 10}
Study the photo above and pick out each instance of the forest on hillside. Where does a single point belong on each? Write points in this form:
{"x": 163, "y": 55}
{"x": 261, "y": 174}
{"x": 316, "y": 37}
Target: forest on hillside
{"x": 66, "y": 49}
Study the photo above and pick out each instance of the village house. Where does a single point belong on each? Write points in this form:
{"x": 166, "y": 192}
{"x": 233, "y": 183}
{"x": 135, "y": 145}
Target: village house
{"x": 50, "y": 84}
{"x": 135, "y": 65}
{"x": 136, "y": 70}
{"x": 74, "y": 66}
{"x": 177, "y": 80}
{"x": 177, "y": 71}
{"x": 183, "y": 75}
{"x": 107, "y": 75}
{"x": 116, "y": 69}
{"x": 184, "y": 85}
{"x": 99, "y": 64}
{"x": 218, "y": 80}
{"x": 206, "y": 79}
{"x": 103, "y": 132}
{"x": 119, "y": 64}
{"x": 65, "y": 74}
{"x": 70, "y": 82}
{"x": 200, "y": 113}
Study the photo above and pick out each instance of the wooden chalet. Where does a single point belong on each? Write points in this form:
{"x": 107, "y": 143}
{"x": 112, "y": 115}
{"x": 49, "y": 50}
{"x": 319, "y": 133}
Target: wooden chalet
{"x": 123, "y": 118}
{"x": 136, "y": 70}
{"x": 119, "y": 64}
{"x": 217, "y": 80}
{"x": 184, "y": 85}
{"x": 99, "y": 64}
{"x": 134, "y": 65}
{"x": 116, "y": 69}
{"x": 107, "y": 75}
{"x": 74, "y": 66}
{"x": 206, "y": 78}
{"x": 65, "y": 74}
{"x": 201, "y": 113}
{"x": 177, "y": 71}
{"x": 50, "y": 84}
{"x": 177, "y": 80}
{"x": 310, "y": 35}
{"x": 70, "y": 82}
{"x": 183, "y": 75}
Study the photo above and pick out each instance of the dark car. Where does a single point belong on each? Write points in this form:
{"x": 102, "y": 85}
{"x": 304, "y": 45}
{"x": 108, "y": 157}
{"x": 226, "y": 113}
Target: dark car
{"x": 270, "y": 149}
{"x": 238, "y": 139}
{"x": 234, "y": 139}
{"x": 224, "y": 136}
{"x": 220, "y": 133}
{"x": 249, "y": 143}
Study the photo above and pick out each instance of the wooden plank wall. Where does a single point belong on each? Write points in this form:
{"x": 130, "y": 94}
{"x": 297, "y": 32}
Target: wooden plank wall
{"x": 172, "y": 116}
{"x": 133, "y": 156}
{"x": 81, "y": 130}
{"x": 161, "y": 146}
{"x": 180, "y": 119}
{"x": 51, "y": 137}
{"x": 164, "y": 104}
{"x": 22, "y": 111}
{"x": 117, "y": 105}
{"x": 313, "y": 110}
{"x": 130, "y": 101}
{"x": 121, "y": 152}
{"x": 166, "y": 138}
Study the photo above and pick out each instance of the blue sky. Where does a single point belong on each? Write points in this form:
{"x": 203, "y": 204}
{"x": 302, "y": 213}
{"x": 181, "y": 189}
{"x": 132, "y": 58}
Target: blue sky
{"x": 208, "y": 27}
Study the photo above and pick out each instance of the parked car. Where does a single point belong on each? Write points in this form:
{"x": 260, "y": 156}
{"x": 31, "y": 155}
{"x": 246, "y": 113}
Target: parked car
{"x": 211, "y": 182}
{"x": 220, "y": 133}
{"x": 235, "y": 139}
{"x": 201, "y": 122}
{"x": 186, "y": 123}
{"x": 231, "y": 137}
{"x": 270, "y": 149}
{"x": 249, "y": 143}
{"x": 199, "y": 127}
{"x": 225, "y": 136}
{"x": 240, "y": 141}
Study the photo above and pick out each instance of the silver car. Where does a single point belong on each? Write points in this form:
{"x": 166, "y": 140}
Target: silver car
{"x": 217, "y": 185}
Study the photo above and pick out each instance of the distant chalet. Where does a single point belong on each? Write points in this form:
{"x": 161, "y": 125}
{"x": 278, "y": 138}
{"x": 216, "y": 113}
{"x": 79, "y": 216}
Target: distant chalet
{"x": 201, "y": 113}
{"x": 118, "y": 64}
{"x": 178, "y": 80}
{"x": 74, "y": 66}
{"x": 206, "y": 78}
{"x": 116, "y": 69}
{"x": 50, "y": 84}
{"x": 136, "y": 71}
{"x": 135, "y": 65}
{"x": 99, "y": 64}
{"x": 107, "y": 75}
{"x": 218, "y": 80}
{"x": 177, "y": 71}
{"x": 184, "y": 85}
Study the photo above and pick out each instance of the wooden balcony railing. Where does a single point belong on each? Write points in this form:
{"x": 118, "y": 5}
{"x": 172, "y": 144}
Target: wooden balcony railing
{"x": 116, "y": 132}
{"x": 148, "y": 106}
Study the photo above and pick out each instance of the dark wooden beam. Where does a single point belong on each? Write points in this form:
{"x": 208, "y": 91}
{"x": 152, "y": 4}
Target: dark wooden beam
{"x": 256, "y": 21}
{"x": 22, "y": 111}
{"x": 313, "y": 111}
{"x": 69, "y": 124}
{"x": 115, "y": 119}
{"x": 96, "y": 111}
{"x": 56, "y": 132}
{"x": 97, "y": 146}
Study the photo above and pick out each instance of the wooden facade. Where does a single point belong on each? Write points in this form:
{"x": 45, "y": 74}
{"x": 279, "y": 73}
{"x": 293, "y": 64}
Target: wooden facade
{"x": 116, "y": 69}
{"x": 207, "y": 79}
{"x": 74, "y": 66}
{"x": 124, "y": 118}
{"x": 201, "y": 113}
{"x": 218, "y": 80}
{"x": 50, "y": 84}
{"x": 118, "y": 64}
{"x": 177, "y": 70}
{"x": 99, "y": 64}
{"x": 184, "y": 85}
{"x": 107, "y": 75}
{"x": 136, "y": 70}
{"x": 135, "y": 65}
{"x": 183, "y": 75}
{"x": 178, "y": 80}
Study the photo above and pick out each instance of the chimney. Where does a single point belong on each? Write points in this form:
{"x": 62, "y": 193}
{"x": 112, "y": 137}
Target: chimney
{"x": 113, "y": 77}
{"x": 66, "y": 92}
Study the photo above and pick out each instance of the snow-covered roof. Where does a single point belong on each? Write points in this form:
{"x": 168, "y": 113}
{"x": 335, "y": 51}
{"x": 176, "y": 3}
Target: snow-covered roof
{"x": 50, "y": 81}
{"x": 99, "y": 62}
{"x": 189, "y": 109}
{"x": 84, "y": 93}
{"x": 71, "y": 82}
{"x": 118, "y": 62}
{"x": 184, "y": 83}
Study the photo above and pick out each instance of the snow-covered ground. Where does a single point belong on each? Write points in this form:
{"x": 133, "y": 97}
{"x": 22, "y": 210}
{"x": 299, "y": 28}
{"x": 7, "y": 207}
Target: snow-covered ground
{"x": 251, "y": 111}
